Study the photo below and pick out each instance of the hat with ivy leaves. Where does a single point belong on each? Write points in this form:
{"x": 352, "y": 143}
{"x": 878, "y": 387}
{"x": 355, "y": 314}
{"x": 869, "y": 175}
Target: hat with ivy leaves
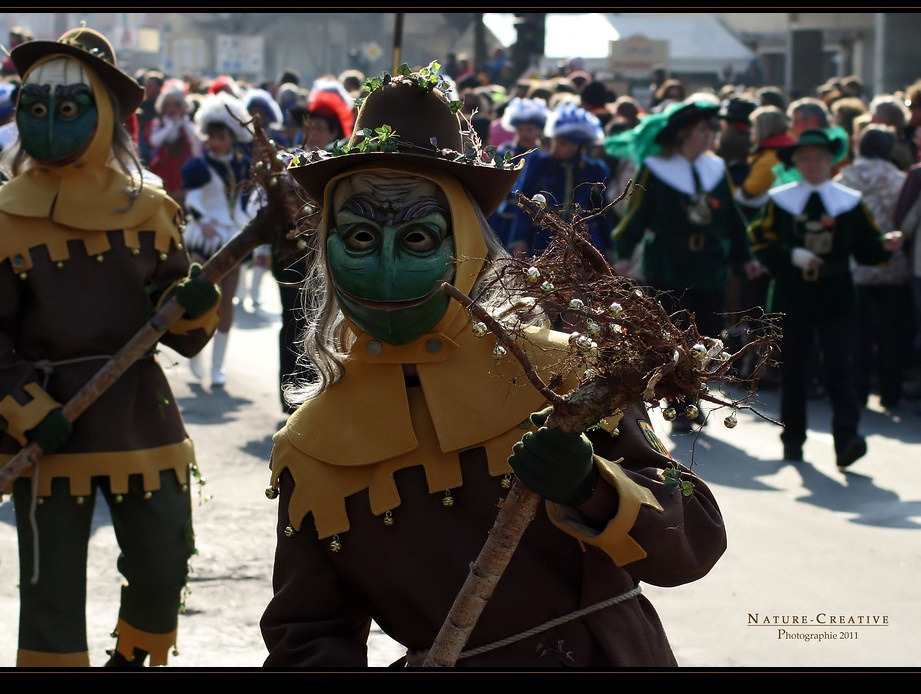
{"x": 408, "y": 122}
{"x": 94, "y": 50}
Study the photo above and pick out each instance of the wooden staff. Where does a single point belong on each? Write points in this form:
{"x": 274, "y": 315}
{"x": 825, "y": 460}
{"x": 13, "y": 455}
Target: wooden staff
{"x": 665, "y": 362}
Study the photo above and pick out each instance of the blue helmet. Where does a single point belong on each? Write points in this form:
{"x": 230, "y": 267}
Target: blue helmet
{"x": 575, "y": 123}
{"x": 7, "y": 98}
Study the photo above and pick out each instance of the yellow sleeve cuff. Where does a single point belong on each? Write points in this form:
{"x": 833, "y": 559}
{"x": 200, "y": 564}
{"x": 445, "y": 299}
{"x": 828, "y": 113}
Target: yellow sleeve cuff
{"x": 207, "y": 321}
{"x": 22, "y": 418}
{"x": 614, "y": 539}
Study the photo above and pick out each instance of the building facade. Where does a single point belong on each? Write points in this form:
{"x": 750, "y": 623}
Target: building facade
{"x": 796, "y": 51}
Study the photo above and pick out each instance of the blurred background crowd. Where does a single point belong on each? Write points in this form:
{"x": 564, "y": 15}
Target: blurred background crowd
{"x": 562, "y": 120}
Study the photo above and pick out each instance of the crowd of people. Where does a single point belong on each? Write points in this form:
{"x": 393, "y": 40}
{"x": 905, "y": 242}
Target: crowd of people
{"x": 707, "y": 164}
{"x": 578, "y": 140}
{"x": 715, "y": 199}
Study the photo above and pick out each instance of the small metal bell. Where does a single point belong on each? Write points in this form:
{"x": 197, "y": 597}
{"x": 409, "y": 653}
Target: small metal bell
{"x": 448, "y": 499}
{"x": 506, "y": 482}
{"x": 289, "y": 531}
{"x": 532, "y": 275}
{"x": 691, "y": 412}
{"x": 670, "y": 414}
{"x": 499, "y": 352}
{"x": 388, "y": 519}
{"x": 480, "y": 329}
{"x": 731, "y": 421}
{"x": 335, "y": 545}
{"x": 271, "y": 493}
{"x": 615, "y": 310}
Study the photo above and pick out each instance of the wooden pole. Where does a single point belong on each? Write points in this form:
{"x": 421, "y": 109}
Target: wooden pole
{"x": 397, "y": 41}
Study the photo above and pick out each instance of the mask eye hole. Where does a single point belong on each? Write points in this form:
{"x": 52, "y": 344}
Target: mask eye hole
{"x": 361, "y": 238}
{"x": 420, "y": 240}
{"x": 38, "y": 110}
{"x": 68, "y": 109}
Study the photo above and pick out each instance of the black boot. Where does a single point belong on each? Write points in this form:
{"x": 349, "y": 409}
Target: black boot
{"x": 117, "y": 660}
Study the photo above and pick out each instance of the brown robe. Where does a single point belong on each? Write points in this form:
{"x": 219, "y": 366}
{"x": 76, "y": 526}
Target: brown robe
{"x": 403, "y": 554}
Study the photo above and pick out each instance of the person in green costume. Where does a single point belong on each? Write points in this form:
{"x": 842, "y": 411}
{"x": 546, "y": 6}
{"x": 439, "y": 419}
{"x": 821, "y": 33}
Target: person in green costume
{"x": 683, "y": 215}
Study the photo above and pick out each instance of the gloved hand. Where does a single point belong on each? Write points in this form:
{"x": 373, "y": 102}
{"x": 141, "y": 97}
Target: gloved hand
{"x": 804, "y": 259}
{"x": 51, "y": 433}
{"x": 555, "y": 464}
{"x": 196, "y": 294}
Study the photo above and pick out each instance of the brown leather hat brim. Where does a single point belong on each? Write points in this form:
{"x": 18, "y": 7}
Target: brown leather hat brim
{"x": 489, "y": 186}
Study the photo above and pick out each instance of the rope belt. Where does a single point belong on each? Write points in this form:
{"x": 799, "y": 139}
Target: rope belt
{"x": 416, "y": 658}
{"x": 46, "y": 366}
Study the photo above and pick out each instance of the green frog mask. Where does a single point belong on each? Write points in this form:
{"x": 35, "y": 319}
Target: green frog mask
{"x": 389, "y": 252}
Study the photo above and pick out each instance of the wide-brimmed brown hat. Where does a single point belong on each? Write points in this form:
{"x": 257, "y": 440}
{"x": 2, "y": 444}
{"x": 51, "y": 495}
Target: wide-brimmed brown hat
{"x": 91, "y": 47}
{"x": 428, "y": 134}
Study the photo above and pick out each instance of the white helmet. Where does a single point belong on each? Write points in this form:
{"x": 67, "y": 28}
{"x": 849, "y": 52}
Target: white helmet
{"x": 525, "y": 110}
{"x": 574, "y": 122}
{"x": 227, "y": 109}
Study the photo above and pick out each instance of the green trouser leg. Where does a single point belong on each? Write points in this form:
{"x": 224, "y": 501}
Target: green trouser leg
{"x": 154, "y": 534}
{"x": 156, "y": 541}
{"x": 155, "y": 537}
{"x": 52, "y": 616}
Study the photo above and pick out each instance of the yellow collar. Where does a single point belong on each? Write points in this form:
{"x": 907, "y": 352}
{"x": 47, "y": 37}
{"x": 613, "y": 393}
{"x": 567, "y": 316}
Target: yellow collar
{"x": 87, "y": 194}
{"x": 470, "y": 395}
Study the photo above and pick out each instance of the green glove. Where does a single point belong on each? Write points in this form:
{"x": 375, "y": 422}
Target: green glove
{"x": 51, "y": 433}
{"x": 196, "y": 294}
{"x": 557, "y": 465}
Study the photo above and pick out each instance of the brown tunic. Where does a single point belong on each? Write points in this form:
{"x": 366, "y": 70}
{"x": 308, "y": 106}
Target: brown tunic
{"x": 71, "y": 299}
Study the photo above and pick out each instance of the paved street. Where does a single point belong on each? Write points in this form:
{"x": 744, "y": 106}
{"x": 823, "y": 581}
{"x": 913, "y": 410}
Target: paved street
{"x": 807, "y": 543}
